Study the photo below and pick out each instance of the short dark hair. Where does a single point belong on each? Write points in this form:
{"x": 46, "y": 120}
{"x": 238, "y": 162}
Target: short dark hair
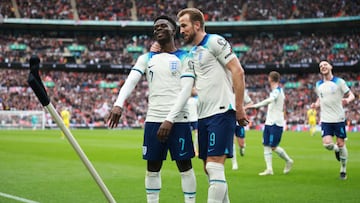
{"x": 172, "y": 21}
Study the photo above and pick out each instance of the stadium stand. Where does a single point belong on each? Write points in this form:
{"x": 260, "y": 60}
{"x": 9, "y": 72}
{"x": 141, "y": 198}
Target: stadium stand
{"x": 228, "y": 10}
{"x": 263, "y": 48}
{"x": 89, "y": 96}
{"x": 73, "y": 57}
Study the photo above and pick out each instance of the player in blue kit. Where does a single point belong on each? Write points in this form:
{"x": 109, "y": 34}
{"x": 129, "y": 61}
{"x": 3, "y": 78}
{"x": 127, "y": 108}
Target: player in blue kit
{"x": 170, "y": 84}
{"x": 333, "y": 93}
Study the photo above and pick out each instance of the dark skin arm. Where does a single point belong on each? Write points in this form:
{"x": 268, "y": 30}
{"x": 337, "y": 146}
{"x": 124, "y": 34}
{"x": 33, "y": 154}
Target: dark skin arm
{"x": 114, "y": 117}
{"x": 164, "y": 131}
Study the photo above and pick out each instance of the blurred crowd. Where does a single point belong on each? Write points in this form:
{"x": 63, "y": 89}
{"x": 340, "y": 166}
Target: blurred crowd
{"x": 90, "y": 96}
{"x": 214, "y": 10}
{"x": 251, "y": 48}
{"x": 275, "y": 47}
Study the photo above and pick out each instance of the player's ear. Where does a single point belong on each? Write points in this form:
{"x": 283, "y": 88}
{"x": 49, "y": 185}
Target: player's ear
{"x": 197, "y": 25}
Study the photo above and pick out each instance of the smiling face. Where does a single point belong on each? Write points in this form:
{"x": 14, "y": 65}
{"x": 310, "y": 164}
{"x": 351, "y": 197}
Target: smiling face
{"x": 164, "y": 31}
{"x": 325, "y": 68}
{"x": 187, "y": 29}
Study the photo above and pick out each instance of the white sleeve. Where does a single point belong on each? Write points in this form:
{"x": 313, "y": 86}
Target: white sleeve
{"x": 264, "y": 102}
{"x": 128, "y": 87}
{"x": 273, "y": 95}
{"x": 344, "y": 86}
{"x": 186, "y": 87}
{"x": 247, "y": 98}
{"x": 221, "y": 49}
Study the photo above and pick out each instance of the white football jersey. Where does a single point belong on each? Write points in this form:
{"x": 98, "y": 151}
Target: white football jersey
{"x": 192, "y": 105}
{"x": 163, "y": 72}
{"x": 213, "y": 80}
{"x": 275, "y": 112}
{"x": 247, "y": 98}
{"x": 330, "y": 94}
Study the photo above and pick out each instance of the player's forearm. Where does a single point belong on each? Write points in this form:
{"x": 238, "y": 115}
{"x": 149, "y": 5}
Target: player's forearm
{"x": 248, "y": 104}
{"x": 127, "y": 88}
{"x": 186, "y": 86}
{"x": 238, "y": 79}
{"x": 263, "y": 103}
{"x": 316, "y": 104}
{"x": 350, "y": 97}
{"x": 239, "y": 94}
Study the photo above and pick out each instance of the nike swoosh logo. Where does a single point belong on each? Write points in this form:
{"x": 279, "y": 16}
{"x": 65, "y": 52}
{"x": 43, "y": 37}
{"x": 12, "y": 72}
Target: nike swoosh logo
{"x": 151, "y": 66}
{"x": 182, "y": 154}
{"x": 210, "y": 150}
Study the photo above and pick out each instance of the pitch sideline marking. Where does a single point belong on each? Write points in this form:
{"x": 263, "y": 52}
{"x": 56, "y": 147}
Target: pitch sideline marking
{"x": 17, "y": 198}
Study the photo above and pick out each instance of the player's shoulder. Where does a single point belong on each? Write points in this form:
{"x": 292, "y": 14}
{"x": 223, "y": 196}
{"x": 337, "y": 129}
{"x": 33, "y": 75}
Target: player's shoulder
{"x": 337, "y": 80}
{"x": 278, "y": 89}
{"x": 215, "y": 39}
{"x": 181, "y": 53}
{"x": 319, "y": 82}
{"x": 146, "y": 56}
{"x": 215, "y": 36}
{"x": 215, "y": 42}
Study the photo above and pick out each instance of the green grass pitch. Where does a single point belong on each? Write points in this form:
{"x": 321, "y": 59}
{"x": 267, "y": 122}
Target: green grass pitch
{"x": 42, "y": 167}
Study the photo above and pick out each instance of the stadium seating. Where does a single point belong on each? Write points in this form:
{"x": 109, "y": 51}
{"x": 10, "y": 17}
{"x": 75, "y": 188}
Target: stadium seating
{"x": 267, "y": 48}
{"x": 91, "y": 94}
{"x": 228, "y": 10}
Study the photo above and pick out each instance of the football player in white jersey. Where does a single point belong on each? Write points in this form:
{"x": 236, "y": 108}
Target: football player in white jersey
{"x": 220, "y": 84}
{"x": 333, "y": 93}
{"x": 274, "y": 125}
{"x": 170, "y": 85}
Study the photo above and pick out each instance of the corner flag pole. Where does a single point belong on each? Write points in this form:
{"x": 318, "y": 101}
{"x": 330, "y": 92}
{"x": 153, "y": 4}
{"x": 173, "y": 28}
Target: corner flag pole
{"x": 37, "y": 86}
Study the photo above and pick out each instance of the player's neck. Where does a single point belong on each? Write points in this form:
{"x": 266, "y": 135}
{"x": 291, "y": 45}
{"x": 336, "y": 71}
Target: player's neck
{"x": 274, "y": 85}
{"x": 328, "y": 76}
{"x": 169, "y": 48}
{"x": 199, "y": 37}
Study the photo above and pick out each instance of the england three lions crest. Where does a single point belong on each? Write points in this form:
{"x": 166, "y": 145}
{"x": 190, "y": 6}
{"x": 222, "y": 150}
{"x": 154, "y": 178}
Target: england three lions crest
{"x": 174, "y": 68}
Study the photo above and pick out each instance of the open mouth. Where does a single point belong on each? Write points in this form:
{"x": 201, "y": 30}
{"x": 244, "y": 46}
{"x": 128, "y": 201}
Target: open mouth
{"x": 159, "y": 34}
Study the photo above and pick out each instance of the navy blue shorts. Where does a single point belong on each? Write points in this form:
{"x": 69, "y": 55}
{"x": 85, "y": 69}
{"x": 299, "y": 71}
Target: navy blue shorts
{"x": 179, "y": 143}
{"x": 272, "y": 135}
{"x": 240, "y": 131}
{"x": 216, "y": 135}
{"x": 337, "y": 129}
{"x": 194, "y": 125}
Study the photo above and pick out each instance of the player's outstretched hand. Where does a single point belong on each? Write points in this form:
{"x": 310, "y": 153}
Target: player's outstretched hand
{"x": 164, "y": 131}
{"x": 114, "y": 117}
